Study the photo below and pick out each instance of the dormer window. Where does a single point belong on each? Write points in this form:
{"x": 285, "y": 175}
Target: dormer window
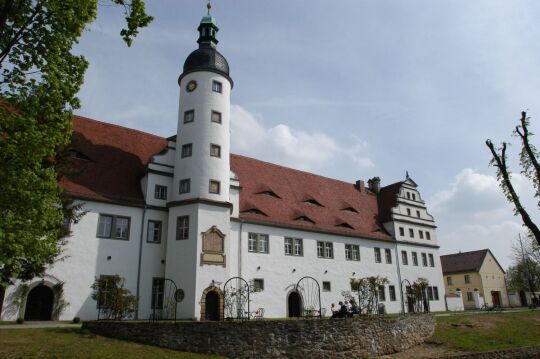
{"x": 255, "y": 211}
{"x": 345, "y": 225}
{"x": 269, "y": 193}
{"x": 349, "y": 209}
{"x": 313, "y": 201}
{"x": 217, "y": 86}
{"x": 304, "y": 219}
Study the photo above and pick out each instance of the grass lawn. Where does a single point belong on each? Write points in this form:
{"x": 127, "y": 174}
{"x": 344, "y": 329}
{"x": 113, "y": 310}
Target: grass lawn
{"x": 483, "y": 332}
{"x": 64, "y": 343}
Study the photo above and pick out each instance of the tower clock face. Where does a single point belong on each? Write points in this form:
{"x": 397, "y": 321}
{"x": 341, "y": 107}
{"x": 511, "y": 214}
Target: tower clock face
{"x": 191, "y": 86}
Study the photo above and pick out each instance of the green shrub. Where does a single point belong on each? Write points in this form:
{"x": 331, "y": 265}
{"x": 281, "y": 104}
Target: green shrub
{"x": 20, "y": 320}
{"x": 76, "y": 320}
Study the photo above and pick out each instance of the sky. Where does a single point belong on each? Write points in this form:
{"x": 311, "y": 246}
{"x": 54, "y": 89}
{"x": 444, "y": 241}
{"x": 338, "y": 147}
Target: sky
{"x": 350, "y": 90}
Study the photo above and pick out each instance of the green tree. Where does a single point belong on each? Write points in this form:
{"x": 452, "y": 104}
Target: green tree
{"x": 530, "y": 168}
{"x": 114, "y": 300}
{"x": 39, "y": 80}
{"x": 524, "y": 274}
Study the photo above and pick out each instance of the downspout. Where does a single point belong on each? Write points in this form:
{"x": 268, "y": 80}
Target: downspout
{"x": 399, "y": 279}
{"x": 140, "y": 260}
{"x": 240, "y": 249}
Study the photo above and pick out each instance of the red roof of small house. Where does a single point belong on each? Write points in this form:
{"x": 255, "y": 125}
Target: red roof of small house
{"x": 114, "y": 158}
{"x": 465, "y": 261}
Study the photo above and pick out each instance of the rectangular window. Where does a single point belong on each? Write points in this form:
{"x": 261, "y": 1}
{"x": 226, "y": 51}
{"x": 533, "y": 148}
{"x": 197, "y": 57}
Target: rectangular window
{"x": 414, "y": 197}
{"x": 114, "y": 227}
{"x": 293, "y": 246}
{"x": 430, "y": 293}
{"x": 408, "y": 211}
{"x": 414, "y": 258}
{"x": 215, "y": 150}
{"x": 326, "y": 286}
{"x": 216, "y": 117}
{"x": 160, "y": 192}
{"x": 258, "y": 285}
{"x": 258, "y": 243}
{"x": 418, "y": 214}
{"x": 329, "y": 250}
{"x": 288, "y": 246}
{"x": 401, "y": 231}
{"x": 388, "y": 255}
{"x": 431, "y": 260}
{"x": 217, "y": 86}
{"x": 449, "y": 280}
{"x": 377, "y": 255}
{"x": 408, "y": 195}
{"x": 186, "y": 150}
{"x": 382, "y": 294}
{"x": 467, "y": 278}
{"x": 411, "y": 232}
{"x": 352, "y": 252}
{"x": 182, "y": 228}
{"x": 424, "y": 260}
{"x": 158, "y": 290}
{"x": 428, "y": 236}
{"x": 470, "y": 297}
{"x": 436, "y": 293}
{"x": 421, "y": 234}
{"x": 154, "y": 232}
{"x": 189, "y": 116}
{"x": 104, "y": 226}
{"x": 185, "y": 185}
{"x": 214, "y": 187}
{"x": 404, "y": 258}
{"x": 392, "y": 293}
{"x": 325, "y": 249}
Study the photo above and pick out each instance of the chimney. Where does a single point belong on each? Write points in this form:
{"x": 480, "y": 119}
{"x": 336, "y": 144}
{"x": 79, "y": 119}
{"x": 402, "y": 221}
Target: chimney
{"x": 359, "y": 185}
{"x": 374, "y": 185}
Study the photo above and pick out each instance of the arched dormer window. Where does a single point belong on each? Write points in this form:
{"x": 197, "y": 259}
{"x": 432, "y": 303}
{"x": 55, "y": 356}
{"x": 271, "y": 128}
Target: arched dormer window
{"x": 269, "y": 193}
{"x": 345, "y": 225}
{"x": 304, "y": 219}
{"x": 349, "y": 209}
{"x": 313, "y": 201}
{"x": 255, "y": 211}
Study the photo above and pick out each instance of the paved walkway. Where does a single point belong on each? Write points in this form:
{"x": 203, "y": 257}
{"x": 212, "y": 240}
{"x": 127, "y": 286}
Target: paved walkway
{"x": 33, "y": 325}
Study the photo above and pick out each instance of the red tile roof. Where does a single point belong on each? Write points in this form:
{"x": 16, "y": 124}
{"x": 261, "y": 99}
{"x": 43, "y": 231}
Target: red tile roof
{"x": 388, "y": 200}
{"x": 117, "y": 158}
{"x": 463, "y": 262}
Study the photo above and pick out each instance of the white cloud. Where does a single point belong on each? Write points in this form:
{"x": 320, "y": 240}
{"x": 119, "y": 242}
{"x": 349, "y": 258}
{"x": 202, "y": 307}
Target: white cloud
{"x": 291, "y": 147}
{"x": 474, "y": 214}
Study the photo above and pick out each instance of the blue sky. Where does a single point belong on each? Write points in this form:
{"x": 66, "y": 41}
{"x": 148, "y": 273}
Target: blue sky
{"x": 350, "y": 90}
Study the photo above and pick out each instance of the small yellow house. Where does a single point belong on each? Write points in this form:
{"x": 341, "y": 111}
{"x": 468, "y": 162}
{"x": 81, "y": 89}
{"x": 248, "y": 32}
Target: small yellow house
{"x": 475, "y": 271}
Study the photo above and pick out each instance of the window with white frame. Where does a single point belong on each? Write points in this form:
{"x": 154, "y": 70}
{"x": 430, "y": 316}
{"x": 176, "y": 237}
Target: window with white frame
{"x": 411, "y": 232}
{"x": 414, "y": 256}
{"x": 189, "y": 116}
{"x": 377, "y": 252}
{"x": 404, "y": 258}
{"x": 154, "y": 232}
{"x": 114, "y": 227}
{"x": 293, "y": 246}
{"x": 215, "y": 150}
{"x": 187, "y": 150}
{"x": 428, "y": 236}
{"x": 431, "y": 260}
{"x": 160, "y": 192}
{"x": 424, "y": 259}
{"x": 258, "y": 243}
{"x": 388, "y": 255}
{"x": 325, "y": 249}
{"x": 449, "y": 280}
{"x": 352, "y": 252}
{"x": 158, "y": 292}
{"x": 392, "y": 293}
{"x": 182, "y": 228}
{"x": 214, "y": 187}
{"x": 382, "y": 294}
{"x": 421, "y": 234}
{"x": 216, "y": 117}
{"x": 217, "y": 86}
{"x": 184, "y": 186}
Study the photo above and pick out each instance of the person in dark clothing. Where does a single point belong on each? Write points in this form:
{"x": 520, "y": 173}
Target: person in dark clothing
{"x": 342, "y": 310}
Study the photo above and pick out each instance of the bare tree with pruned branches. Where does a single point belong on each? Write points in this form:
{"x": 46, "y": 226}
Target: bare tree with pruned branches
{"x": 530, "y": 168}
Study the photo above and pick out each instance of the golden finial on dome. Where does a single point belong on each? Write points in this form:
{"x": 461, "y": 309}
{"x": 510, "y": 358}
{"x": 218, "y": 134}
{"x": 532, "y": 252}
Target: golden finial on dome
{"x": 209, "y": 6}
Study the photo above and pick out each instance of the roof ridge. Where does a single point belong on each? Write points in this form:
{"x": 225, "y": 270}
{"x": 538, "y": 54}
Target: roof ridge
{"x": 293, "y": 169}
{"x": 119, "y": 126}
{"x": 468, "y": 252}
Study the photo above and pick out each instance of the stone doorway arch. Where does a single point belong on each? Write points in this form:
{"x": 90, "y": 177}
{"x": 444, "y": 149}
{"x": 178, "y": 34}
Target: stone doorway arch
{"x": 294, "y": 305}
{"x": 212, "y": 304}
{"x": 39, "y": 303}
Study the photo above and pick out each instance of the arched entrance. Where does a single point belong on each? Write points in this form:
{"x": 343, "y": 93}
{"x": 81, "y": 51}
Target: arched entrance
{"x": 212, "y": 304}
{"x": 295, "y": 304}
{"x": 39, "y": 303}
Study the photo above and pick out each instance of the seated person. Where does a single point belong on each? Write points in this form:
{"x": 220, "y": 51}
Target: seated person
{"x": 342, "y": 310}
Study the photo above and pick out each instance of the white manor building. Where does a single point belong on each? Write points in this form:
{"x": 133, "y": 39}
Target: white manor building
{"x": 186, "y": 209}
